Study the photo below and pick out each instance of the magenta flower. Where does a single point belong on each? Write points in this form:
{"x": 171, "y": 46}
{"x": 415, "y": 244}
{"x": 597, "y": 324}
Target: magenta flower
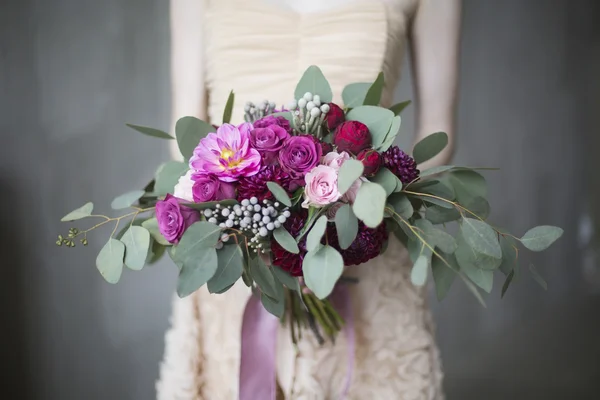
{"x": 299, "y": 155}
{"x": 208, "y": 187}
{"x": 227, "y": 154}
{"x": 173, "y": 218}
{"x": 268, "y": 141}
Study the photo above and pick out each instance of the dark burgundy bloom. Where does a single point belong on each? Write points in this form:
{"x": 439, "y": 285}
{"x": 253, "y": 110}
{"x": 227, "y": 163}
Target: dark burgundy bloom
{"x": 367, "y": 245}
{"x": 352, "y": 136}
{"x": 271, "y": 120}
{"x": 282, "y": 258}
{"x": 326, "y": 147}
{"x": 401, "y": 164}
{"x": 256, "y": 185}
{"x": 372, "y": 161}
{"x": 334, "y": 117}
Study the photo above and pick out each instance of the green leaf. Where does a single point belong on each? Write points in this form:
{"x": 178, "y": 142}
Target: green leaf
{"x": 392, "y": 133}
{"x": 168, "y": 175}
{"x": 402, "y": 205}
{"x": 313, "y": 240}
{"x": 370, "y": 204}
{"x": 279, "y": 193}
{"x": 228, "y": 108}
{"x": 473, "y": 290}
{"x": 322, "y": 269}
{"x": 477, "y": 205}
{"x": 157, "y": 133}
{"x": 137, "y": 243}
{"x": 346, "y": 225}
{"x": 483, "y": 278}
{"x": 277, "y": 308}
{"x": 110, "y": 260}
{"x": 287, "y": 241}
{"x": 418, "y": 274}
{"x": 152, "y": 226}
{"x": 399, "y": 107}
{"x": 377, "y": 119}
{"x": 541, "y": 237}
{"x": 467, "y": 184}
{"x": 481, "y": 237}
{"x": 509, "y": 255}
{"x": 466, "y": 254}
{"x": 313, "y": 81}
{"x": 82, "y": 212}
{"x": 443, "y": 276}
{"x": 436, "y": 170}
{"x": 440, "y": 188}
{"x": 196, "y": 239}
{"x": 387, "y": 180}
{"x": 196, "y": 270}
{"x": 229, "y": 268}
{"x": 436, "y": 236}
{"x": 189, "y": 131}
{"x": 349, "y": 172}
{"x": 157, "y": 251}
{"x": 126, "y": 200}
{"x": 373, "y": 96}
{"x": 289, "y": 281}
{"x": 507, "y": 282}
{"x": 434, "y": 200}
{"x": 441, "y": 215}
{"x": 430, "y": 147}
{"x": 537, "y": 277}
{"x": 263, "y": 277}
{"x": 354, "y": 94}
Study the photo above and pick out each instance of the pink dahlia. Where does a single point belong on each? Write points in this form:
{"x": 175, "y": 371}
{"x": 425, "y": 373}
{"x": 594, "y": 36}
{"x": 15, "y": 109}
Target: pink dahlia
{"x": 227, "y": 154}
{"x": 256, "y": 185}
{"x": 367, "y": 245}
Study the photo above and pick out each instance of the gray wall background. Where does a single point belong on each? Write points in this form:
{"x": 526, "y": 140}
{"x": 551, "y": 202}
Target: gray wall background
{"x": 72, "y": 72}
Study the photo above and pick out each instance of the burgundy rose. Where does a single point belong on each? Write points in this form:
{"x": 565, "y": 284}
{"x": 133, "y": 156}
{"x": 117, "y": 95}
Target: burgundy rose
{"x": 372, "y": 161}
{"x": 299, "y": 155}
{"x": 208, "y": 187}
{"x": 334, "y": 117}
{"x": 326, "y": 147}
{"x": 173, "y": 218}
{"x": 271, "y": 120}
{"x": 352, "y": 136}
{"x": 268, "y": 141}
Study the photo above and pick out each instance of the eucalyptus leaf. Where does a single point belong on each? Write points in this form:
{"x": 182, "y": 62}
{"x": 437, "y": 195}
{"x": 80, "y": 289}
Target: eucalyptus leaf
{"x": 399, "y": 107}
{"x": 483, "y": 278}
{"x": 467, "y": 183}
{"x": 509, "y": 255}
{"x": 441, "y": 215}
{"x": 157, "y": 133}
{"x": 478, "y": 206}
{"x": 229, "y": 268}
{"x": 435, "y": 170}
{"x": 279, "y": 193}
{"x": 126, "y": 200}
{"x": 433, "y": 200}
{"x": 443, "y": 276}
{"x": 110, "y": 260}
{"x": 277, "y": 308}
{"x": 440, "y": 188}
{"x": 346, "y": 225}
{"x": 354, "y": 94}
{"x": 313, "y": 81}
{"x": 322, "y": 269}
{"x": 349, "y": 172}
{"x": 263, "y": 277}
{"x": 437, "y": 237}
{"x": 373, "y": 96}
{"x": 82, "y": 212}
{"x": 228, "y": 108}
{"x": 152, "y": 226}
{"x": 196, "y": 270}
{"x": 392, "y": 133}
{"x": 167, "y": 176}
{"x": 418, "y": 274}
{"x": 402, "y": 205}
{"x": 370, "y": 204}
{"x": 377, "y": 119}
{"x": 473, "y": 290}
{"x": 137, "y": 243}
{"x": 387, "y": 180}
{"x": 507, "y": 282}
{"x": 289, "y": 281}
{"x": 430, "y": 147}
{"x": 537, "y": 277}
{"x": 157, "y": 251}
{"x": 189, "y": 131}
{"x": 313, "y": 240}
{"x": 481, "y": 237}
{"x": 199, "y": 237}
{"x": 287, "y": 241}
{"x": 541, "y": 237}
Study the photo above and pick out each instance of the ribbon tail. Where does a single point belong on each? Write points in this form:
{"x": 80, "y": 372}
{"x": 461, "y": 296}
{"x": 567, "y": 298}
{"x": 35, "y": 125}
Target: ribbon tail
{"x": 342, "y": 302}
{"x": 258, "y": 358}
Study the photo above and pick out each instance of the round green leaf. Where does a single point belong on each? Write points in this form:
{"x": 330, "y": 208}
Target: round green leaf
{"x": 263, "y": 277}
{"x": 387, "y": 180}
{"x": 110, "y": 260}
{"x": 392, "y": 133}
{"x": 349, "y": 172}
{"x": 402, "y": 205}
{"x": 418, "y": 274}
{"x": 354, "y": 94}
{"x": 229, "y": 269}
{"x": 189, "y": 131}
{"x": 137, "y": 242}
{"x": 82, "y": 212}
{"x": 316, "y": 233}
{"x": 196, "y": 271}
{"x": 289, "y": 281}
{"x": 313, "y": 81}
{"x": 430, "y": 147}
{"x": 287, "y": 241}
{"x": 167, "y": 176}
{"x": 152, "y": 226}
{"x": 481, "y": 237}
{"x": 369, "y": 204}
{"x": 157, "y": 133}
{"x": 483, "y": 278}
{"x": 441, "y": 215}
{"x": 279, "y": 193}
{"x": 509, "y": 255}
{"x": 277, "y": 308}
{"x": 377, "y": 119}
{"x": 322, "y": 269}
{"x": 199, "y": 237}
{"x": 435, "y": 170}
{"x": 346, "y": 225}
{"x": 541, "y": 237}
{"x": 443, "y": 276}
{"x": 467, "y": 183}
{"x": 126, "y": 200}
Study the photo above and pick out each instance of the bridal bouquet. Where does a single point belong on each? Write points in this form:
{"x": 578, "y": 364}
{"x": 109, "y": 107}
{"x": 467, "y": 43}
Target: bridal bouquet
{"x": 290, "y": 198}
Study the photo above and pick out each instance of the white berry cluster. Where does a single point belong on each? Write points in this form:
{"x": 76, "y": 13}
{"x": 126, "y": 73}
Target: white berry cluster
{"x": 309, "y": 114}
{"x": 254, "y": 112}
{"x": 255, "y": 219}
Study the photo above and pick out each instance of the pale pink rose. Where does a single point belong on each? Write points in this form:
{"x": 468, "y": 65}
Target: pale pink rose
{"x": 335, "y": 160}
{"x": 350, "y": 194}
{"x": 321, "y": 187}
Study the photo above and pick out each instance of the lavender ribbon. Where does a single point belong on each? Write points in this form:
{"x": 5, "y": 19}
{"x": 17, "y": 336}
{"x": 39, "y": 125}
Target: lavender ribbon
{"x": 259, "y": 345}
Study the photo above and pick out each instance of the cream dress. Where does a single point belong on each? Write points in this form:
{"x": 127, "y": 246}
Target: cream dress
{"x": 260, "y": 50}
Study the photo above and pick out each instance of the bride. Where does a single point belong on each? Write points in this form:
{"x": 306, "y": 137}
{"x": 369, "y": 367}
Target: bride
{"x": 259, "y": 48}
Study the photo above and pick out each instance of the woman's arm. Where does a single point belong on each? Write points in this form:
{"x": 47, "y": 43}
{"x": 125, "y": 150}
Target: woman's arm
{"x": 188, "y": 94}
{"x": 435, "y": 45}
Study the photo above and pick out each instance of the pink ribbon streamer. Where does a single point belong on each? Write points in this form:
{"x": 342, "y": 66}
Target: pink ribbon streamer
{"x": 259, "y": 345}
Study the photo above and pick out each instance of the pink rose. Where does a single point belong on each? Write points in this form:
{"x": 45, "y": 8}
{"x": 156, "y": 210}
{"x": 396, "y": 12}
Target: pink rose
{"x": 321, "y": 187}
{"x": 268, "y": 141}
{"x": 173, "y": 218}
{"x": 208, "y": 187}
{"x": 335, "y": 160}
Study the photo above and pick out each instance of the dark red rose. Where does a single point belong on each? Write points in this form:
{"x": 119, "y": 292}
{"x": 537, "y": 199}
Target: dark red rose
{"x": 372, "y": 161}
{"x": 352, "y": 136}
{"x": 326, "y": 147}
{"x": 335, "y": 116}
